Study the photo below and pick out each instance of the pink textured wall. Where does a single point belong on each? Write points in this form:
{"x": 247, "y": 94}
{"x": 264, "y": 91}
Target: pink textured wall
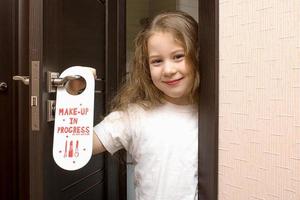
{"x": 259, "y": 142}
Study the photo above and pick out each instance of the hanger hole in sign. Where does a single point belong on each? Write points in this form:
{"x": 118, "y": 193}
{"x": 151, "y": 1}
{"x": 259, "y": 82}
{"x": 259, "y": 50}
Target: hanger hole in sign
{"x": 76, "y": 86}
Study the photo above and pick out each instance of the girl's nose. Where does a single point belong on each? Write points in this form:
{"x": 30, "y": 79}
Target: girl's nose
{"x": 169, "y": 68}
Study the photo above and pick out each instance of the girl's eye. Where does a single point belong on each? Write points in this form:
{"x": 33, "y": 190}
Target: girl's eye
{"x": 156, "y": 61}
{"x": 178, "y": 57}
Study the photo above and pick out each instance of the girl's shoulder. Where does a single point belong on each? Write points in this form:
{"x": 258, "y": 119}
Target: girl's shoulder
{"x": 134, "y": 107}
{"x": 130, "y": 113}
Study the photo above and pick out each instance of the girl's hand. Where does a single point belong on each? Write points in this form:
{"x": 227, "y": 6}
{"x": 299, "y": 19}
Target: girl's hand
{"x": 75, "y": 86}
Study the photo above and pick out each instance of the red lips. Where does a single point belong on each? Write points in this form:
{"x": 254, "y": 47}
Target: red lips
{"x": 173, "y": 82}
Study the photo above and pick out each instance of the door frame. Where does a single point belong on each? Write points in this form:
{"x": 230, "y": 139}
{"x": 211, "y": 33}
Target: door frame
{"x": 116, "y": 169}
{"x": 208, "y": 35}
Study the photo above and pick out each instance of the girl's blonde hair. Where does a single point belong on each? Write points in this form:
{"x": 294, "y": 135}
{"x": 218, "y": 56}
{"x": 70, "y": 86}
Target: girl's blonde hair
{"x": 139, "y": 87}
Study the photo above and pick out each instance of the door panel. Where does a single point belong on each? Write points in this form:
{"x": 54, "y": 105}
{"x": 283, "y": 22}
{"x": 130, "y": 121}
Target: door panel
{"x": 62, "y": 34}
{"x": 73, "y": 34}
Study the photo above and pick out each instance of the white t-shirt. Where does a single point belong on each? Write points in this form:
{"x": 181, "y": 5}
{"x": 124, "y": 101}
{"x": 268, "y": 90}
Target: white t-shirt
{"x": 163, "y": 143}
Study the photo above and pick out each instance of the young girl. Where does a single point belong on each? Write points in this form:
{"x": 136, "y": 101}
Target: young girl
{"x": 155, "y": 114}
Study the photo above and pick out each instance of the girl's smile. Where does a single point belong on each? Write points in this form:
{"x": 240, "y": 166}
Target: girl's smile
{"x": 173, "y": 82}
{"x": 169, "y": 69}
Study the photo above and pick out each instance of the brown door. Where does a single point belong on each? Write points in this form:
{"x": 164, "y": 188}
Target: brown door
{"x": 52, "y": 35}
{"x": 62, "y": 34}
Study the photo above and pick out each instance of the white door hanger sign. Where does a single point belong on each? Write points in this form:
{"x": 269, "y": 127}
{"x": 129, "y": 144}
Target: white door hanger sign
{"x": 73, "y": 126}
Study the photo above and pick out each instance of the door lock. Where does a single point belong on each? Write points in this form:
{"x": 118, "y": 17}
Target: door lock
{"x": 50, "y": 110}
{"x": 34, "y": 80}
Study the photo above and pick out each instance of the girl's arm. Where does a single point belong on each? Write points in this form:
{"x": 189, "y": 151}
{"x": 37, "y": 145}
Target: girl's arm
{"x": 97, "y": 145}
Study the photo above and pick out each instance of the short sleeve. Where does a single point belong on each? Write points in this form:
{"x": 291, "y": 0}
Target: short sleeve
{"x": 114, "y": 131}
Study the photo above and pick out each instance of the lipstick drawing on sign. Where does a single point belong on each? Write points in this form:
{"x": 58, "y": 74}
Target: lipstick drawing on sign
{"x": 76, "y": 154}
{"x": 66, "y": 148}
{"x": 71, "y": 149}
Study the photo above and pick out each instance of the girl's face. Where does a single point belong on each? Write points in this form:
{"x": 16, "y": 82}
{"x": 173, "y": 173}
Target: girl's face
{"x": 169, "y": 69}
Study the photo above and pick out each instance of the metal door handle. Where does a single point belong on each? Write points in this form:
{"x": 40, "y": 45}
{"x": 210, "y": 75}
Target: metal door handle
{"x": 60, "y": 82}
{"x": 54, "y": 81}
{"x": 3, "y": 86}
{"x": 24, "y": 79}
